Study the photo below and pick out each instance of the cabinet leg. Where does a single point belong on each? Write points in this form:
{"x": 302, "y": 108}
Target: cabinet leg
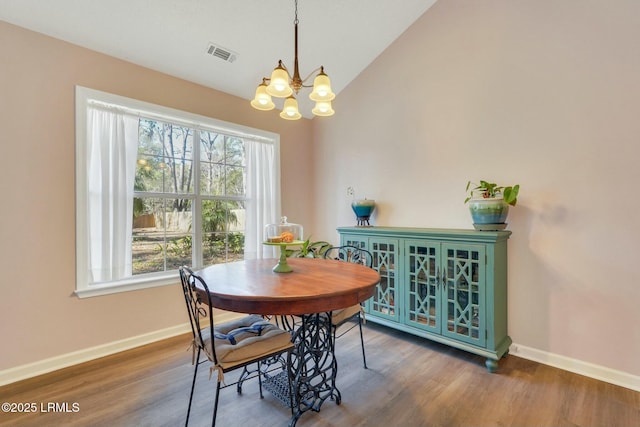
{"x": 492, "y": 365}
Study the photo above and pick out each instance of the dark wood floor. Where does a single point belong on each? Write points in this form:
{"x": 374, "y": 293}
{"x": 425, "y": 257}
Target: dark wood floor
{"x": 410, "y": 382}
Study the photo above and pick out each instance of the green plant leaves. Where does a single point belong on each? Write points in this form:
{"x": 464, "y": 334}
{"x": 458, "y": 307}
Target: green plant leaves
{"x": 510, "y": 194}
{"x": 491, "y": 190}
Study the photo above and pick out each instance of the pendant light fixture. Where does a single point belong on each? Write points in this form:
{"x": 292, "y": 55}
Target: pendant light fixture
{"x": 281, "y": 84}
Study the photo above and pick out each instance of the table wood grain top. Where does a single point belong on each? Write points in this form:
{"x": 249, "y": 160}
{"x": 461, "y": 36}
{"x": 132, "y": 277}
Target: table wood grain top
{"x": 314, "y": 286}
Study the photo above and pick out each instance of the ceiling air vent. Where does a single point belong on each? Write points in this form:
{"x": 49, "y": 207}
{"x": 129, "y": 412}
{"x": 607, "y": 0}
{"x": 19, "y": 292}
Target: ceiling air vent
{"x": 221, "y": 52}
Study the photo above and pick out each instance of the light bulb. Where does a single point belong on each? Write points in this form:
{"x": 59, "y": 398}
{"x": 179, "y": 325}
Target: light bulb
{"x": 290, "y": 110}
{"x": 262, "y": 100}
{"x": 323, "y": 108}
{"x": 322, "y": 88}
{"x": 279, "y": 82}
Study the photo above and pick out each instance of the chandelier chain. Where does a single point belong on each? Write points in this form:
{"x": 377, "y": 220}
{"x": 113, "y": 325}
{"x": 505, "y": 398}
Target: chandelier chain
{"x": 295, "y": 21}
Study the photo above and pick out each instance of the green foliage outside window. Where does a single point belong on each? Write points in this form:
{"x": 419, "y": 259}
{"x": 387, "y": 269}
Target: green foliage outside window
{"x": 166, "y": 170}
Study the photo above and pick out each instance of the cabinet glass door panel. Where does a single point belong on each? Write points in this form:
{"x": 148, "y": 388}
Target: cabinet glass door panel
{"x": 354, "y": 241}
{"x": 358, "y": 242}
{"x": 464, "y": 301}
{"x": 383, "y": 301}
{"x": 422, "y": 294}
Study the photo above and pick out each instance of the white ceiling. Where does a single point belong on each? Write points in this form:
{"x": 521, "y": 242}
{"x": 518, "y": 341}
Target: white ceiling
{"x": 172, "y": 36}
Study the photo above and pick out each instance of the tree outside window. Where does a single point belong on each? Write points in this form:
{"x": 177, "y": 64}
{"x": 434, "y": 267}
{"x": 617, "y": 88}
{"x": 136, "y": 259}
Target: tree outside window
{"x": 165, "y": 191}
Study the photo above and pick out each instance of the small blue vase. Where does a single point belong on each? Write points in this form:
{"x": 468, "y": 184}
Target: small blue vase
{"x": 363, "y": 210}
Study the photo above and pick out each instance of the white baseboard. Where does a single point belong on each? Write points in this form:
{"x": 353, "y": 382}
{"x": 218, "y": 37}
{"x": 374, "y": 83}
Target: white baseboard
{"x": 623, "y": 379}
{"x": 40, "y": 367}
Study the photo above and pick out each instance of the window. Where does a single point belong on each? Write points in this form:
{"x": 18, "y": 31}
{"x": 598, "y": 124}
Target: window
{"x": 158, "y": 188}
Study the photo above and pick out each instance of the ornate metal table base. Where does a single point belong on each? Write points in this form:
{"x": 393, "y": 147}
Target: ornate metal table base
{"x": 313, "y": 366}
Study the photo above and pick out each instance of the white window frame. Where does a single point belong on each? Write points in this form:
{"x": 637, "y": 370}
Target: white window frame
{"x": 84, "y": 96}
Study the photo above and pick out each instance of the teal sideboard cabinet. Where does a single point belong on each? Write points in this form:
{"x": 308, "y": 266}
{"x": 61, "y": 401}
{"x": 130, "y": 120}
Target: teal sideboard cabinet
{"x": 449, "y": 286}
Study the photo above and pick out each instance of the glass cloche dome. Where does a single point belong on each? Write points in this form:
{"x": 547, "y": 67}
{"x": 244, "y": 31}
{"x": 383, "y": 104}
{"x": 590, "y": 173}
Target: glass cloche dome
{"x": 285, "y": 232}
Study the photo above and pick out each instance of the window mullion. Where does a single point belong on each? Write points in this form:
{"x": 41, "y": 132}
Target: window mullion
{"x": 196, "y": 206}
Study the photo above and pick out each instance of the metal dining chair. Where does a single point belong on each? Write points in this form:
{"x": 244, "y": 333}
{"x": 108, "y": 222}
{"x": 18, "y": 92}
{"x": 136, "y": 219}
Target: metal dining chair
{"x": 231, "y": 345}
{"x": 356, "y": 255}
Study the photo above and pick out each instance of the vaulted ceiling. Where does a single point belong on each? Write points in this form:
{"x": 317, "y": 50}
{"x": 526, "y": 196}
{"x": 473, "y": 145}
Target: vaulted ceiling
{"x": 174, "y": 36}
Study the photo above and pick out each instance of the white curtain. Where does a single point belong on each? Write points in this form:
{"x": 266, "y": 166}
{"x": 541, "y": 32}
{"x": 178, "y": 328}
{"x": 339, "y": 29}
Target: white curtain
{"x": 112, "y": 146}
{"x": 262, "y": 194}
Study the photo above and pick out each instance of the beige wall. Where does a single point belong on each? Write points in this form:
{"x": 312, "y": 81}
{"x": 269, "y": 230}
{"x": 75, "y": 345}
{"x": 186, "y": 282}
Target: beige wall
{"x": 541, "y": 93}
{"x": 39, "y": 315}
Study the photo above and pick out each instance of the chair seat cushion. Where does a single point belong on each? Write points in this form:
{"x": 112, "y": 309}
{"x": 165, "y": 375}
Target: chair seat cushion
{"x": 339, "y": 316}
{"x": 246, "y": 338}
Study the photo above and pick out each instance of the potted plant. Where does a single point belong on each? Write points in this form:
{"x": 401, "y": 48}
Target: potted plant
{"x": 489, "y": 204}
{"x": 310, "y": 249}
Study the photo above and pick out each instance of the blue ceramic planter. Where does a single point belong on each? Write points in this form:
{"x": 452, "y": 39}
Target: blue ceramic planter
{"x": 488, "y": 211}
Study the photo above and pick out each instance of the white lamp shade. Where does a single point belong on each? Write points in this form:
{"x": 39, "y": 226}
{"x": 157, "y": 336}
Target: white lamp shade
{"x": 323, "y": 108}
{"x": 262, "y": 100}
{"x": 290, "y": 109}
{"x": 322, "y": 88}
{"x": 279, "y": 83}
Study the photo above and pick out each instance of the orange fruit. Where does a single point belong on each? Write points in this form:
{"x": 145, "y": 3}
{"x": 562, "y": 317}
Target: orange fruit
{"x": 287, "y": 236}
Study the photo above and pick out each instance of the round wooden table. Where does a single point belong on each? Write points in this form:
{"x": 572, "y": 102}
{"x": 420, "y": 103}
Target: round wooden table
{"x": 312, "y": 290}
{"x": 314, "y": 286}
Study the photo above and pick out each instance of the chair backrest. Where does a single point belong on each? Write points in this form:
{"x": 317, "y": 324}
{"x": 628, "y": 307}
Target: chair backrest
{"x": 199, "y": 307}
{"x": 350, "y": 253}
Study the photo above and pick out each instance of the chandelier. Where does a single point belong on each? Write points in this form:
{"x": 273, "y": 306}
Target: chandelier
{"x": 282, "y": 84}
